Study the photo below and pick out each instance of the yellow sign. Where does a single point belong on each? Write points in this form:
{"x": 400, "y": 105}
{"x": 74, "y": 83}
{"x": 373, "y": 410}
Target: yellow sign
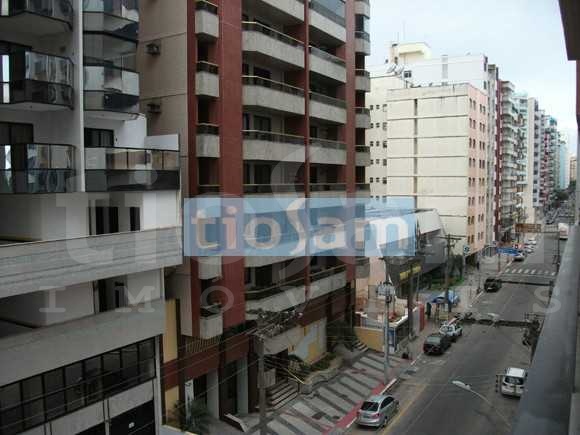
{"x": 404, "y": 275}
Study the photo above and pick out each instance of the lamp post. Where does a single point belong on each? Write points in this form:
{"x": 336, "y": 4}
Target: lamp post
{"x": 467, "y": 387}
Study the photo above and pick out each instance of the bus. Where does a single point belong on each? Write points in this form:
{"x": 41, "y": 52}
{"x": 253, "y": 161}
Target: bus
{"x": 563, "y": 231}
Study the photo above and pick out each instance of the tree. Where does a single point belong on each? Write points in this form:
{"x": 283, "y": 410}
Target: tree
{"x": 193, "y": 416}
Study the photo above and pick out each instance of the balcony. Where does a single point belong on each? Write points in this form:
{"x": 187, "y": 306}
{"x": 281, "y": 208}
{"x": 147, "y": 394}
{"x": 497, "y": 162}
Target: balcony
{"x": 267, "y": 145}
{"x": 329, "y": 152}
{"x": 49, "y": 17}
{"x": 363, "y": 267}
{"x": 270, "y": 47}
{"x": 116, "y": 18}
{"x": 30, "y": 267}
{"x": 207, "y": 141}
{"x": 211, "y": 322}
{"x": 363, "y": 117}
{"x": 363, "y": 155}
{"x": 130, "y": 169}
{"x": 362, "y": 80}
{"x": 287, "y": 11}
{"x": 326, "y": 281}
{"x": 209, "y": 267}
{"x": 111, "y": 92}
{"x": 327, "y": 108}
{"x": 362, "y": 7}
{"x": 207, "y": 80}
{"x": 362, "y": 43}
{"x": 272, "y": 96}
{"x": 327, "y": 21}
{"x": 207, "y": 24}
{"x": 36, "y": 81}
{"x": 274, "y": 189}
{"x": 277, "y": 297}
{"x": 36, "y": 168}
{"x": 327, "y": 65}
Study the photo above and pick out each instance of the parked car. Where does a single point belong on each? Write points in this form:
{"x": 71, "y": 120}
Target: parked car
{"x": 513, "y": 382}
{"x": 451, "y": 330}
{"x": 492, "y": 284}
{"x": 377, "y": 411}
{"x": 520, "y": 256}
{"x": 436, "y": 344}
{"x": 532, "y": 241}
{"x": 529, "y": 250}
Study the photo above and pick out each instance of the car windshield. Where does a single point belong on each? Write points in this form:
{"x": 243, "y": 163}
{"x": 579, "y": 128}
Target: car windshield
{"x": 369, "y": 406}
{"x": 514, "y": 380}
{"x": 433, "y": 339}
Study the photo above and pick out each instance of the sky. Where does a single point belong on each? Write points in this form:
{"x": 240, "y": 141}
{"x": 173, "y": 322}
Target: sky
{"x": 523, "y": 37}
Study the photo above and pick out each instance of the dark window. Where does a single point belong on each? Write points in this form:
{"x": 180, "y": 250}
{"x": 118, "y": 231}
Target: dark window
{"x": 135, "y": 218}
{"x": 262, "y": 123}
{"x": 261, "y": 72}
{"x": 246, "y": 121}
{"x": 99, "y": 138}
{"x": 245, "y": 69}
{"x": 74, "y": 382}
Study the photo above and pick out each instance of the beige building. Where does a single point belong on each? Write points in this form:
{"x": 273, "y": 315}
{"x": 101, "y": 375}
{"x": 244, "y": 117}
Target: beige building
{"x": 429, "y": 143}
{"x": 573, "y": 168}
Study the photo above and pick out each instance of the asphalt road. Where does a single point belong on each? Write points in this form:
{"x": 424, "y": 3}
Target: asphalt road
{"x": 431, "y": 405}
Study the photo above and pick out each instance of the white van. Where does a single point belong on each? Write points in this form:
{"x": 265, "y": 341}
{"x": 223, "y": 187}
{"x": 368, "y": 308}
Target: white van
{"x": 513, "y": 382}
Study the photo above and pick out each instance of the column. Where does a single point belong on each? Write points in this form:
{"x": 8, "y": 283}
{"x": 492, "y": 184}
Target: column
{"x": 213, "y": 394}
{"x": 242, "y": 385}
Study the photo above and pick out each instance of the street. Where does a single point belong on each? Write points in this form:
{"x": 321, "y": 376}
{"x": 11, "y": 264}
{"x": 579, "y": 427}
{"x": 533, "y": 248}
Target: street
{"x": 430, "y": 404}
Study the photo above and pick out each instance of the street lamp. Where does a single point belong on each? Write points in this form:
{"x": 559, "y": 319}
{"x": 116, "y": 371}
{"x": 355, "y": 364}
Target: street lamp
{"x": 468, "y": 388}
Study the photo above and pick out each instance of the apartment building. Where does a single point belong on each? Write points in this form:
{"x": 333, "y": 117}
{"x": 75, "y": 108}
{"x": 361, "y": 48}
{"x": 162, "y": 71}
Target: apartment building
{"x": 532, "y": 133}
{"x": 90, "y": 223}
{"x": 415, "y": 64}
{"x": 429, "y": 144}
{"x": 548, "y": 165}
{"x": 269, "y": 98}
{"x": 573, "y": 168}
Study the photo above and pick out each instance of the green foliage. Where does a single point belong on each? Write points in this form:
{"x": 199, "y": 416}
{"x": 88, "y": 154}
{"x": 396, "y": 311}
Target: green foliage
{"x": 194, "y": 416}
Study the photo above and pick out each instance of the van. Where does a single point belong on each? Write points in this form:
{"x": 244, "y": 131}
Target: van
{"x": 513, "y": 382}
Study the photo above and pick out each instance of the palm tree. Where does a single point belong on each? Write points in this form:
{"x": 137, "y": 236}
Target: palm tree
{"x": 193, "y": 416}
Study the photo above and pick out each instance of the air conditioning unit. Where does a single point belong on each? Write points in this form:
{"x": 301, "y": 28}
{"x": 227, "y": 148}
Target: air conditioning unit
{"x": 154, "y": 48}
{"x": 154, "y": 107}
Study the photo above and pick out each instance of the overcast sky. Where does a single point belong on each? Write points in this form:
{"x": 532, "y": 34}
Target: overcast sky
{"x": 523, "y": 37}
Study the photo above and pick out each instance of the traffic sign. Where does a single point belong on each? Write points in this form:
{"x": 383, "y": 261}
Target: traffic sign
{"x": 507, "y": 251}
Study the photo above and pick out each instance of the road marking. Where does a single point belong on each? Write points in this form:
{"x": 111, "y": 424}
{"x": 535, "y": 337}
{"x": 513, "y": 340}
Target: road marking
{"x": 533, "y": 273}
{"x": 526, "y": 271}
{"x": 553, "y": 273}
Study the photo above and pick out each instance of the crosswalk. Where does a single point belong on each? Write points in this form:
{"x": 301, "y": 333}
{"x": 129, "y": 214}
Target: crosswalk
{"x": 528, "y": 271}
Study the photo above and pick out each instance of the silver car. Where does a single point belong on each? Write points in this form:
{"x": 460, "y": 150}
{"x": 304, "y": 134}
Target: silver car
{"x": 377, "y": 411}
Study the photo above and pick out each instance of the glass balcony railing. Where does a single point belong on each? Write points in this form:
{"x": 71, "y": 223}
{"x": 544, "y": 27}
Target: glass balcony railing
{"x": 329, "y": 144}
{"x": 282, "y": 37}
{"x": 271, "y": 84}
{"x": 111, "y": 89}
{"x": 130, "y": 169}
{"x": 36, "y": 168}
{"x": 55, "y": 9}
{"x": 325, "y": 99}
{"x": 269, "y": 136}
{"x": 115, "y": 17}
{"x": 31, "y": 77}
{"x": 327, "y": 56}
{"x": 332, "y": 9}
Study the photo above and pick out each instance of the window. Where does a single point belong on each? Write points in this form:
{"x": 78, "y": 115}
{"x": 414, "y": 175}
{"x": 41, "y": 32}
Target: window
{"x": 377, "y": 125}
{"x": 371, "y": 180}
{"x": 262, "y": 123}
{"x": 371, "y": 143}
{"x": 407, "y": 74}
{"x": 261, "y": 72}
{"x": 99, "y": 138}
{"x": 384, "y": 125}
{"x": 384, "y": 144}
{"x": 384, "y": 162}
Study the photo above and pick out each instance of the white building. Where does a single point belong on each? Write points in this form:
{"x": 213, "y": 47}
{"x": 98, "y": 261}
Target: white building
{"x": 90, "y": 219}
{"x": 429, "y": 144}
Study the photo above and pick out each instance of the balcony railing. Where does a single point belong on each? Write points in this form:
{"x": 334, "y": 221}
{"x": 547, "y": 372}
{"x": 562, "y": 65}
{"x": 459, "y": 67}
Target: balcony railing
{"x": 55, "y": 9}
{"x": 265, "y": 30}
{"x": 327, "y": 56}
{"x": 273, "y": 188}
{"x": 202, "y": 5}
{"x": 325, "y": 273}
{"x": 34, "y": 77}
{"x": 363, "y": 111}
{"x": 208, "y": 67}
{"x": 130, "y": 169}
{"x": 362, "y": 73}
{"x": 329, "y": 144}
{"x": 271, "y": 84}
{"x": 269, "y": 136}
{"x": 334, "y": 10}
{"x": 254, "y": 294}
{"x": 111, "y": 89}
{"x": 117, "y": 18}
{"x": 36, "y": 168}
{"x": 327, "y": 187}
{"x": 325, "y": 99}
{"x": 362, "y": 35}
{"x": 211, "y": 129}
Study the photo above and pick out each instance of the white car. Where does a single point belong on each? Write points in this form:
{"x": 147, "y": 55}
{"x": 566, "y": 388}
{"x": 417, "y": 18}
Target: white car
{"x": 532, "y": 241}
{"x": 513, "y": 382}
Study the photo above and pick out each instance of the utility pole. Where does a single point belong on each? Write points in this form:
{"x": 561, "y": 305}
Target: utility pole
{"x": 269, "y": 324}
{"x": 386, "y": 365}
{"x": 451, "y": 241}
{"x": 261, "y": 383}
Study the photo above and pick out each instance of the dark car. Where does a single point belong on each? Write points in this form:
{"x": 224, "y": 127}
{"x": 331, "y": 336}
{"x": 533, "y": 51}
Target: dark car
{"x": 492, "y": 284}
{"x": 436, "y": 344}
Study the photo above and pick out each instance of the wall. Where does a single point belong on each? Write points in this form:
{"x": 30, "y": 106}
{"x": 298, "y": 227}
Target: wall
{"x": 313, "y": 346}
